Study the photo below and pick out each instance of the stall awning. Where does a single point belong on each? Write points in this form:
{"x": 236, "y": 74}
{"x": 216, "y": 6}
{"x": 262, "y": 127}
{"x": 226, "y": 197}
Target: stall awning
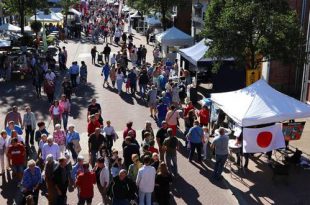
{"x": 174, "y": 37}
{"x": 5, "y": 44}
{"x": 9, "y": 27}
{"x": 260, "y": 104}
{"x": 196, "y": 53}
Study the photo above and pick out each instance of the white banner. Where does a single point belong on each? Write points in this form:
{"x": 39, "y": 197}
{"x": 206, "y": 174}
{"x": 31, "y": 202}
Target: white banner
{"x": 256, "y": 140}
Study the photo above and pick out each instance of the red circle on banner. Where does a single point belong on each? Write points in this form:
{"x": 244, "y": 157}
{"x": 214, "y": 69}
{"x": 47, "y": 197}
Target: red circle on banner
{"x": 264, "y": 139}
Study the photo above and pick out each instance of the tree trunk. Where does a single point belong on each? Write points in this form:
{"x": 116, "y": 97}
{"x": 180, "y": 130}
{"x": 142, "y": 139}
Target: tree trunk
{"x": 163, "y": 13}
{"x": 22, "y": 16}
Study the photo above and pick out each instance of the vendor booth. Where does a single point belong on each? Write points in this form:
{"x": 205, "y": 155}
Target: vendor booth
{"x": 9, "y": 27}
{"x": 171, "y": 40}
{"x": 46, "y": 18}
{"x": 264, "y": 119}
{"x": 4, "y": 44}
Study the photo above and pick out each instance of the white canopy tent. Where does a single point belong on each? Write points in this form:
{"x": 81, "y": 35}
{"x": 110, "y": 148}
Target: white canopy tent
{"x": 196, "y": 53}
{"x": 152, "y": 21}
{"x": 51, "y": 17}
{"x": 259, "y": 104}
{"x": 9, "y": 27}
{"x": 5, "y": 43}
{"x": 75, "y": 12}
{"x": 173, "y": 37}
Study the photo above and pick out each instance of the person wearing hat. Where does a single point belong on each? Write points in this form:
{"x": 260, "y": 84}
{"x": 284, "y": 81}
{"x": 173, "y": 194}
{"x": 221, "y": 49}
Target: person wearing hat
{"x": 40, "y": 131}
{"x": 170, "y": 146}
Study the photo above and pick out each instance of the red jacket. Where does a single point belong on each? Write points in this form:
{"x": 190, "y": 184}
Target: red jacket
{"x": 92, "y": 127}
{"x": 86, "y": 183}
{"x": 17, "y": 154}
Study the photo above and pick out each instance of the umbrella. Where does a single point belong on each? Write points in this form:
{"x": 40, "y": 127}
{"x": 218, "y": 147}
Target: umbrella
{"x": 9, "y": 27}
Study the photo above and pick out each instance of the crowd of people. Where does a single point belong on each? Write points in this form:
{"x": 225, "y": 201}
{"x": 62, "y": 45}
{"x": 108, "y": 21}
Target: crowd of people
{"x": 141, "y": 171}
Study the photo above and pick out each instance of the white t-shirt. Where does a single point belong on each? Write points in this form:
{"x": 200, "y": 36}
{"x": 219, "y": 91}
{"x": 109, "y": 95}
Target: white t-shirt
{"x": 104, "y": 177}
{"x": 146, "y": 179}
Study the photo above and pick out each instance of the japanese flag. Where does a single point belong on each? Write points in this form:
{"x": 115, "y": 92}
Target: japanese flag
{"x": 264, "y": 139}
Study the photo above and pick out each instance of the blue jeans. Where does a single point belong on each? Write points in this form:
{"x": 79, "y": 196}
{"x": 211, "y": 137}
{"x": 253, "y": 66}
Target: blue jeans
{"x": 65, "y": 116}
{"x": 219, "y": 165}
{"x": 145, "y": 197}
{"x": 120, "y": 202}
{"x": 142, "y": 89}
{"x": 171, "y": 162}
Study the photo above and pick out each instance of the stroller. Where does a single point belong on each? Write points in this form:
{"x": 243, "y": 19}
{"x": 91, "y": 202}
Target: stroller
{"x": 100, "y": 58}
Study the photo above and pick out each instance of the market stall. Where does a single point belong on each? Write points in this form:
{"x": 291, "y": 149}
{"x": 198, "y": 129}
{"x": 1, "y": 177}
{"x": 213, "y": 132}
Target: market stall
{"x": 9, "y": 27}
{"x": 171, "y": 40}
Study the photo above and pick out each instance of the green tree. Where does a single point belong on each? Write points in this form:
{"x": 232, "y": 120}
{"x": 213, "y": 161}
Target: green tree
{"x": 163, "y": 6}
{"x": 23, "y": 8}
{"x": 253, "y": 31}
{"x": 66, "y": 5}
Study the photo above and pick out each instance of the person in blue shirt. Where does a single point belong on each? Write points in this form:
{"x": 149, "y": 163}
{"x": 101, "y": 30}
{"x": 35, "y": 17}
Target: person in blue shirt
{"x": 31, "y": 181}
{"x": 11, "y": 126}
{"x": 77, "y": 168}
{"x": 162, "y": 110}
{"x": 167, "y": 98}
{"x": 106, "y": 72}
{"x": 74, "y": 72}
{"x": 72, "y": 140}
{"x": 195, "y": 137}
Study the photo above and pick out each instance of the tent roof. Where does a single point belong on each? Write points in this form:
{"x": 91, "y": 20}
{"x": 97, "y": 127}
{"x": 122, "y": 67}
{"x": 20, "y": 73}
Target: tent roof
{"x": 41, "y": 16}
{"x": 75, "y": 12}
{"x": 196, "y": 53}
{"x": 260, "y": 104}
{"x": 174, "y": 36}
{"x": 152, "y": 21}
{"x": 5, "y": 43}
{"x": 9, "y": 27}
{"x": 137, "y": 14}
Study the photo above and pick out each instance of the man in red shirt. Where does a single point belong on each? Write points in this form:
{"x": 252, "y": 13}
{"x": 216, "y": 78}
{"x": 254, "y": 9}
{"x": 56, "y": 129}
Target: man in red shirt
{"x": 92, "y": 125}
{"x": 16, "y": 156}
{"x": 129, "y": 128}
{"x": 188, "y": 107}
{"x": 85, "y": 181}
{"x": 204, "y": 116}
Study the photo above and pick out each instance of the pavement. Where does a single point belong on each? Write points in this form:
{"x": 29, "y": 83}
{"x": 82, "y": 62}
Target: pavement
{"x": 194, "y": 186}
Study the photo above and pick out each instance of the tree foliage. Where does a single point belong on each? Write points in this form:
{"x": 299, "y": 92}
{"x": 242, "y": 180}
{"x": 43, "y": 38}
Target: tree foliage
{"x": 251, "y": 31}
{"x": 163, "y": 6}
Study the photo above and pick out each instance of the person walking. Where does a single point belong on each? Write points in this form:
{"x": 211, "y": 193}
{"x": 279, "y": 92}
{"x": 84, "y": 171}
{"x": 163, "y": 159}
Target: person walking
{"x": 74, "y": 71}
{"x": 59, "y": 136}
{"x": 66, "y": 107}
{"x": 50, "y": 148}
{"x": 146, "y": 182}
{"x": 31, "y": 181}
{"x": 102, "y": 178}
{"x": 93, "y": 53}
{"x": 161, "y": 135}
{"x": 106, "y": 52}
{"x": 56, "y": 112}
{"x": 85, "y": 182}
{"x": 95, "y": 142}
{"x": 110, "y": 135}
{"x": 73, "y": 142}
{"x": 152, "y": 100}
{"x": 61, "y": 179}
{"x": 106, "y": 72}
{"x": 29, "y": 123}
{"x": 119, "y": 80}
{"x": 122, "y": 190}
{"x": 172, "y": 118}
{"x": 195, "y": 137}
{"x": 134, "y": 167}
{"x": 49, "y": 169}
{"x": 171, "y": 145}
{"x": 83, "y": 73}
{"x": 220, "y": 144}
{"x": 3, "y": 151}
{"x": 133, "y": 81}
{"x": 163, "y": 181}
{"x": 16, "y": 157}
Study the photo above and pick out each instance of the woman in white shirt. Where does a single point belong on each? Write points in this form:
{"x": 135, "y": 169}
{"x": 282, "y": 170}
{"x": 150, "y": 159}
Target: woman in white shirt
{"x": 119, "y": 80}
